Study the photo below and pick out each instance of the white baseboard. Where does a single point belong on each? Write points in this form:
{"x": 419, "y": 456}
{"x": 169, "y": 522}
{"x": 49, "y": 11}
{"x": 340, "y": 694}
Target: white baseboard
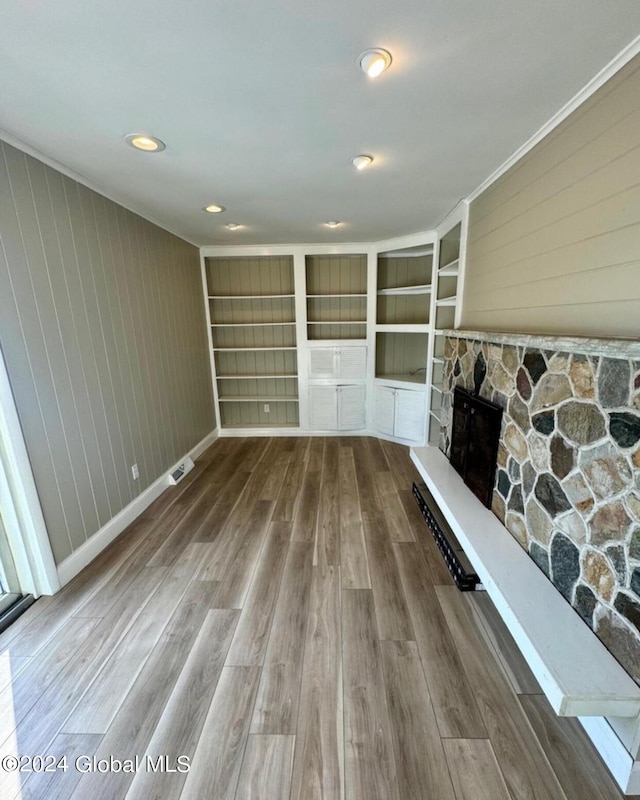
{"x": 621, "y": 765}
{"x": 85, "y": 554}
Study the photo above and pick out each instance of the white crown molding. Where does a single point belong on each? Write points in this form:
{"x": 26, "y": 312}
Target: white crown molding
{"x": 14, "y": 141}
{"x": 605, "y": 74}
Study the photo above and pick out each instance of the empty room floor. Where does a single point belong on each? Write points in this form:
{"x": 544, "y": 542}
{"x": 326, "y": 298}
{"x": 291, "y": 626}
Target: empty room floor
{"x": 280, "y": 625}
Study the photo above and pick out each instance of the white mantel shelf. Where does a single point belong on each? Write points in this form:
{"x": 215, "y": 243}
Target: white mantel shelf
{"x": 575, "y": 670}
{"x": 613, "y": 348}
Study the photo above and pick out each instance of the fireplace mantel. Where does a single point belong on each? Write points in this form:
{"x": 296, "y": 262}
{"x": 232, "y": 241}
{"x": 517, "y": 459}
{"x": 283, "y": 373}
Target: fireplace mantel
{"x": 612, "y": 347}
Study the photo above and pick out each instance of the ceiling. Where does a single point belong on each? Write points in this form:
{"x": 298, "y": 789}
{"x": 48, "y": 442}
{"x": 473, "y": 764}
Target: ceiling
{"x": 261, "y": 104}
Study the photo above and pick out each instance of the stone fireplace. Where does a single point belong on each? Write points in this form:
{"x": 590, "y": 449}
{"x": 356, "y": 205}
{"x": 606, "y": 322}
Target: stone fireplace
{"x": 567, "y": 485}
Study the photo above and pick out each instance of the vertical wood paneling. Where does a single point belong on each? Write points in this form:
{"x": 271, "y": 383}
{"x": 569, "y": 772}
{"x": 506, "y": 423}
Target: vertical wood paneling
{"x": 102, "y": 329}
{"x": 552, "y": 244}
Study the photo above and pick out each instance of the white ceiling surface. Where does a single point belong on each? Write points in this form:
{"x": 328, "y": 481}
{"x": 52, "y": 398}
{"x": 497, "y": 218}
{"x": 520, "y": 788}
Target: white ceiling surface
{"x": 261, "y": 104}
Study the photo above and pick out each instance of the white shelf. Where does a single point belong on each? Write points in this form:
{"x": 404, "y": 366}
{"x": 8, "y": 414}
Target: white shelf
{"x": 418, "y": 379}
{"x": 250, "y": 324}
{"x": 418, "y": 327}
{"x": 249, "y": 349}
{"x": 435, "y": 415}
{"x": 435, "y": 388}
{"x": 341, "y": 294}
{"x": 248, "y": 296}
{"x": 575, "y": 670}
{"x": 405, "y": 290}
{"x": 338, "y": 322}
{"x": 437, "y": 359}
{"x": 450, "y": 270}
{"x": 446, "y": 301}
{"x": 254, "y": 377}
{"x": 244, "y": 398}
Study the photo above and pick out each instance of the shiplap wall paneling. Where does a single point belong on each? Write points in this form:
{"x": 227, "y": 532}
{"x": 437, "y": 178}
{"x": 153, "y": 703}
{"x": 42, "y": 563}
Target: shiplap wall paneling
{"x": 253, "y": 414}
{"x": 552, "y": 244}
{"x": 101, "y": 326}
{"x": 336, "y": 296}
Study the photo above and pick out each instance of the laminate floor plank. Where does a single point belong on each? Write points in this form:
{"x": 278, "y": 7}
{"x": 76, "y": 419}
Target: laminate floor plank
{"x": 354, "y": 572}
{"x": 215, "y": 770}
{"x": 235, "y": 582}
{"x": 370, "y": 503}
{"x": 376, "y": 454}
{"x": 17, "y": 699}
{"x": 400, "y": 464}
{"x": 570, "y": 753}
{"x": 276, "y": 708}
{"x": 497, "y": 635}
{"x": 453, "y": 698}
{"x": 42, "y": 723}
{"x": 397, "y": 522}
{"x": 252, "y": 634}
{"x": 434, "y": 562}
{"x": 420, "y": 759}
{"x": 370, "y": 769}
{"x": 318, "y": 762}
{"x": 97, "y": 709}
{"x": 521, "y": 758}
{"x": 219, "y": 513}
{"x": 392, "y": 611}
{"x": 327, "y": 550}
{"x": 10, "y": 667}
{"x": 474, "y": 770}
{"x": 315, "y": 454}
{"x": 266, "y": 769}
{"x": 78, "y": 750}
{"x": 178, "y": 730}
{"x": 131, "y": 731}
{"x": 305, "y": 520}
{"x": 288, "y": 498}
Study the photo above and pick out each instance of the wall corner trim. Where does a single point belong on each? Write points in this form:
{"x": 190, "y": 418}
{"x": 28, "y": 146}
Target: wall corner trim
{"x": 620, "y": 763}
{"x": 85, "y": 554}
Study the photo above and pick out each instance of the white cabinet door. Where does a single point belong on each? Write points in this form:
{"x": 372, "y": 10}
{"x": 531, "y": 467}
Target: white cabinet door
{"x": 323, "y": 408}
{"x": 409, "y": 415}
{"x": 338, "y": 362}
{"x": 351, "y": 362}
{"x": 351, "y": 410}
{"x": 385, "y": 409}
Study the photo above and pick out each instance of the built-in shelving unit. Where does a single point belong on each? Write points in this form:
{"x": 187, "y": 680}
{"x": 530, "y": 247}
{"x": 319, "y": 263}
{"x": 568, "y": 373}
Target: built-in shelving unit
{"x": 403, "y": 310}
{"x": 444, "y": 308}
{"x": 253, "y": 337}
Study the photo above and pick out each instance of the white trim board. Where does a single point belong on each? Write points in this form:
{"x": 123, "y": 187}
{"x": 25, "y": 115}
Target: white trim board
{"x": 625, "y": 771}
{"x": 85, "y": 554}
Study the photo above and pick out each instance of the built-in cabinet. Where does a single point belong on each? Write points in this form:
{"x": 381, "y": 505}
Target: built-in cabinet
{"x": 324, "y": 339}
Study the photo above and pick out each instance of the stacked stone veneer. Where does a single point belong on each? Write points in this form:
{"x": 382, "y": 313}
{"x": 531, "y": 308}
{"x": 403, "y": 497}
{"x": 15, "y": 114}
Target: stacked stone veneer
{"x": 568, "y": 478}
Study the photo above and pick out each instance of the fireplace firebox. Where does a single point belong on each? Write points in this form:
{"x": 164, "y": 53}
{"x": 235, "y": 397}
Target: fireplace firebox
{"x": 474, "y": 442}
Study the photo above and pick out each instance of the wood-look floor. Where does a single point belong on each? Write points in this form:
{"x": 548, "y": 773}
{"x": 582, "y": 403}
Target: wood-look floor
{"x": 282, "y": 619}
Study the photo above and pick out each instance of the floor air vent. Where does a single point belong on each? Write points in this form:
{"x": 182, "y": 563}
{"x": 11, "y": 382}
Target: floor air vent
{"x": 459, "y": 565}
{"x": 180, "y": 471}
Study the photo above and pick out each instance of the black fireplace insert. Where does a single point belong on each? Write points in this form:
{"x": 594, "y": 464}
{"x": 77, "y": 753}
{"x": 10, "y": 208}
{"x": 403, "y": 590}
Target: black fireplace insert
{"x": 474, "y": 442}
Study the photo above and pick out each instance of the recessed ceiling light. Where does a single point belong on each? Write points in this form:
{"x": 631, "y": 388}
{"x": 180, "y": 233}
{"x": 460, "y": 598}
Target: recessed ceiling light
{"x": 374, "y": 62}
{"x": 214, "y": 209}
{"x": 233, "y": 226}
{"x": 143, "y": 142}
{"x": 362, "y": 161}
{"x": 332, "y": 224}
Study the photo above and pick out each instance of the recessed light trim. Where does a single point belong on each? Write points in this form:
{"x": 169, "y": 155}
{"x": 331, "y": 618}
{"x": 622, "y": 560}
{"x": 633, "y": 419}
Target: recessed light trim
{"x": 214, "y": 208}
{"x": 148, "y": 144}
{"x": 362, "y": 161}
{"x": 333, "y": 223}
{"x": 374, "y": 62}
{"x": 233, "y": 226}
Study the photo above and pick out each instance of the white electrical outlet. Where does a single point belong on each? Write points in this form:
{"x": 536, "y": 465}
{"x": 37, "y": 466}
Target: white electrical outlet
{"x": 135, "y": 472}
{"x": 266, "y": 408}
